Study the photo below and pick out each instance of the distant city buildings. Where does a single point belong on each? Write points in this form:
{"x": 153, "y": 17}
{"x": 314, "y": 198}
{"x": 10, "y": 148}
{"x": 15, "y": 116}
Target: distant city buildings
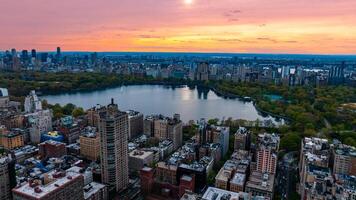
{"x": 286, "y": 71}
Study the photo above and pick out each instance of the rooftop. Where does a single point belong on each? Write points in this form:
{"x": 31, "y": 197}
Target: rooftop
{"x": 37, "y": 190}
{"x": 91, "y": 189}
{"x": 238, "y": 179}
{"x": 133, "y": 113}
{"x": 268, "y": 141}
{"x": 261, "y": 181}
{"x": 89, "y": 132}
{"x": 140, "y": 154}
{"x": 213, "y": 193}
{"x": 345, "y": 150}
{"x": 52, "y": 142}
{"x": 242, "y": 131}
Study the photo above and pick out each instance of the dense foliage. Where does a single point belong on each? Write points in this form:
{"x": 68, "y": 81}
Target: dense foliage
{"x": 312, "y": 111}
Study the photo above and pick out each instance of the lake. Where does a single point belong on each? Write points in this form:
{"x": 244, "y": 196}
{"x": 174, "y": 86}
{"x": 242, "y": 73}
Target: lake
{"x": 190, "y": 103}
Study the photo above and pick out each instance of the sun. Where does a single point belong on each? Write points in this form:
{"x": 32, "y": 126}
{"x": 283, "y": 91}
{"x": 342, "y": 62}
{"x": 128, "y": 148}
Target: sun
{"x": 188, "y": 2}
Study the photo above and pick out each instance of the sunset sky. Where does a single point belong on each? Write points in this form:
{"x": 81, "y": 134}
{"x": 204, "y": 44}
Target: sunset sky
{"x": 242, "y": 26}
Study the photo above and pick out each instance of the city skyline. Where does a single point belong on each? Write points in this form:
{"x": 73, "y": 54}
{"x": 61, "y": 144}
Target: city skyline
{"x": 303, "y": 27}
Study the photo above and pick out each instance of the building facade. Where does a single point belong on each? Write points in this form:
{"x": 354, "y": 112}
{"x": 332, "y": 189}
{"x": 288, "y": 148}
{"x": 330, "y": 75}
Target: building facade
{"x": 113, "y": 130}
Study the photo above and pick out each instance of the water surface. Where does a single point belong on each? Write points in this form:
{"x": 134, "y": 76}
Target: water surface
{"x": 191, "y": 103}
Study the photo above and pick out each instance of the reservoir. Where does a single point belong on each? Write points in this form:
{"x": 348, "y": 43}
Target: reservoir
{"x": 190, "y": 103}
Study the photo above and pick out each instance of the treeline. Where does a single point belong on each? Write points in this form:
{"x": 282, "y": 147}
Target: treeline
{"x": 61, "y": 111}
{"x": 19, "y": 84}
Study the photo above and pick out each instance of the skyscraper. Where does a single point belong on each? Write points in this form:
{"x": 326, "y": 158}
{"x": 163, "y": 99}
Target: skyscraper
{"x": 268, "y": 145}
{"x": 58, "y": 51}
{"x": 336, "y": 74}
{"x": 33, "y": 53}
{"x": 113, "y": 130}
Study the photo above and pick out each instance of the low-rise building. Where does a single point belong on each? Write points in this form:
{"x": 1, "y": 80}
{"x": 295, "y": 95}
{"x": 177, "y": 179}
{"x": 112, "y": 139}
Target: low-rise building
{"x": 55, "y": 186}
{"x": 140, "y": 158}
{"x": 52, "y": 149}
{"x": 89, "y": 144}
{"x": 11, "y": 139}
{"x": 260, "y": 184}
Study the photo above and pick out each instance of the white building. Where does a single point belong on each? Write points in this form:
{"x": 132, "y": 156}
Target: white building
{"x": 4, "y": 98}
{"x": 40, "y": 121}
{"x": 32, "y": 103}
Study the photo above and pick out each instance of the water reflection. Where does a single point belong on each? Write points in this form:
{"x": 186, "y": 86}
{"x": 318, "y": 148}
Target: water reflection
{"x": 191, "y": 102}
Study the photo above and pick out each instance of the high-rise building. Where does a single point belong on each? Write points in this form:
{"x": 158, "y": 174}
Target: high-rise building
{"x": 202, "y": 131}
{"x": 33, "y": 53}
{"x": 7, "y": 177}
{"x": 220, "y": 135}
{"x": 242, "y": 139}
{"x": 58, "y": 52}
{"x": 39, "y": 122}
{"x": 149, "y": 125}
{"x": 337, "y": 74}
{"x": 93, "y": 117}
{"x": 135, "y": 124}
{"x": 169, "y": 128}
{"x": 13, "y": 52}
{"x": 314, "y": 161}
{"x": 203, "y": 72}
{"x": 32, "y": 103}
{"x": 113, "y": 129}
{"x": 24, "y": 56}
{"x": 267, "y": 148}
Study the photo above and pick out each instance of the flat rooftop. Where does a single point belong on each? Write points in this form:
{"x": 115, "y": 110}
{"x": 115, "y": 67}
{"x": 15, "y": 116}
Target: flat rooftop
{"x": 48, "y": 188}
{"x": 213, "y": 193}
{"x": 91, "y": 189}
{"x": 140, "y": 154}
{"x": 261, "y": 181}
{"x": 238, "y": 179}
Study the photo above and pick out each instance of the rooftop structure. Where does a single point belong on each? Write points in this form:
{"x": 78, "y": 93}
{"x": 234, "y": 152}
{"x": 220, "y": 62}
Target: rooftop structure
{"x": 53, "y": 182}
{"x": 219, "y": 194}
{"x": 260, "y": 184}
{"x": 89, "y": 132}
{"x": 268, "y": 141}
{"x": 92, "y": 189}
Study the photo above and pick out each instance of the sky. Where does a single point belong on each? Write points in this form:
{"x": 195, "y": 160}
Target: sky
{"x": 236, "y": 26}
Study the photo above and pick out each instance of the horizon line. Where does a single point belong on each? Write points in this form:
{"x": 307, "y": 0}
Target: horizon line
{"x": 185, "y": 52}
